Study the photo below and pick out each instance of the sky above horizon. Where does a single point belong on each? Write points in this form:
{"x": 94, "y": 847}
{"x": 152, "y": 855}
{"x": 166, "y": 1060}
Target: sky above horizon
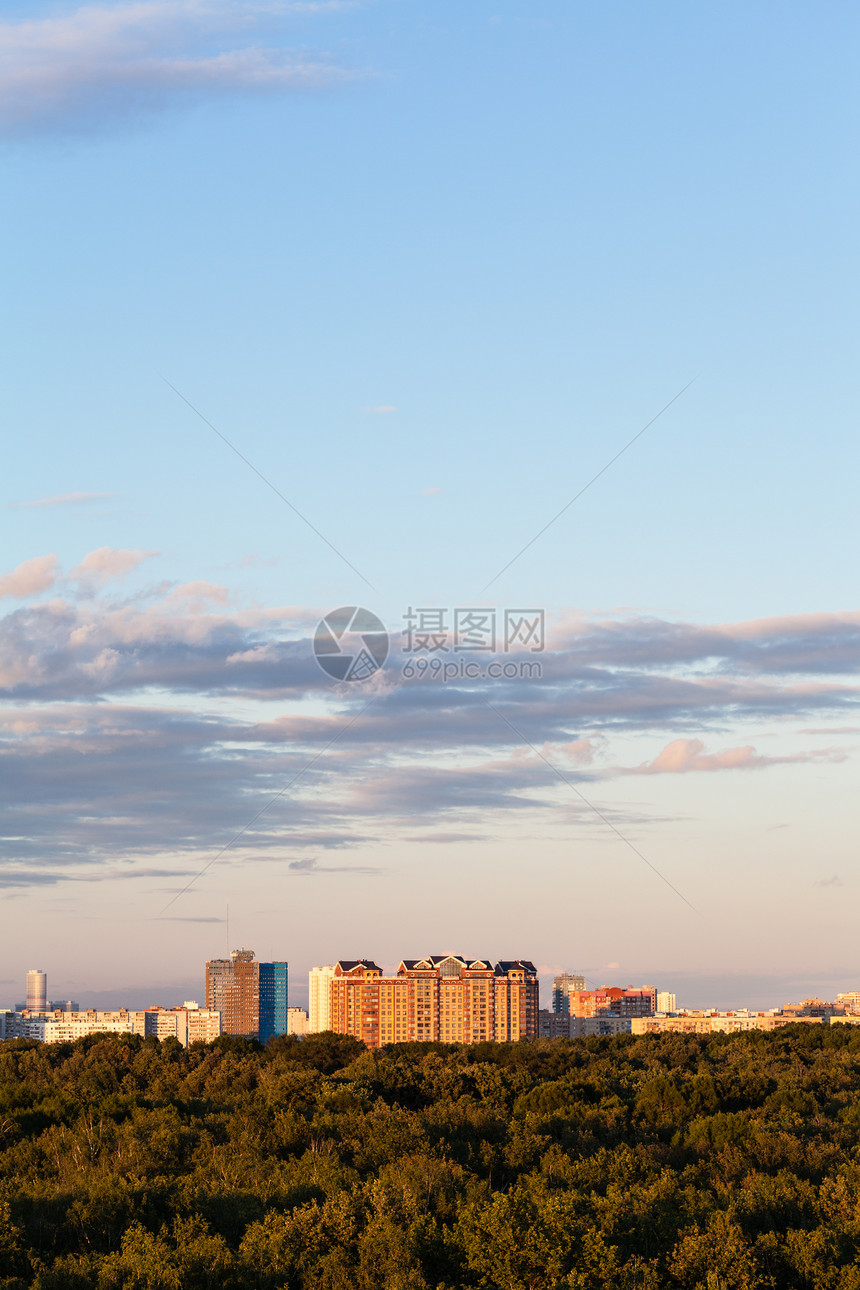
{"x": 312, "y": 305}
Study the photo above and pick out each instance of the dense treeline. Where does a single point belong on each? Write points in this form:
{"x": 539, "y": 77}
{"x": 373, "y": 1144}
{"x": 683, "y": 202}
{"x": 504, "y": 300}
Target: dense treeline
{"x": 655, "y": 1162}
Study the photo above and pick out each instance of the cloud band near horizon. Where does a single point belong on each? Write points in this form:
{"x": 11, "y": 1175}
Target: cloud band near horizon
{"x": 92, "y": 767}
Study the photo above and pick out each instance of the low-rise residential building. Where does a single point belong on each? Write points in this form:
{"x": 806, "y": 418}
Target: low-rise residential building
{"x": 188, "y": 1024}
{"x": 553, "y": 1025}
{"x": 815, "y": 1008}
{"x": 712, "y": 1023}
{"x": 696, "y": 1023}
{"x": 297, "y": 1021}
{"x": 605, "y": 1023}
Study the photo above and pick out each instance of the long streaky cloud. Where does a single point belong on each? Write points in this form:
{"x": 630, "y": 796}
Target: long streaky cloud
{"x": 62, "y": 499}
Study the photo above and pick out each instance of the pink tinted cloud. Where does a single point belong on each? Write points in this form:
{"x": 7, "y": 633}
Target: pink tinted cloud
{"x": 62, "y": 499}
{"x": 105, "y": 563}
{"x": 684, "y": 755}
{"x": 31, "y": 577}
{"x": 584, "y": 750}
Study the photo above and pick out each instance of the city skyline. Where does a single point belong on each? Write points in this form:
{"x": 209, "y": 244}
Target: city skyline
{"x": 526, "y": 334}
{"x": 562, "y": 992}
{"x": 445, "y": 998}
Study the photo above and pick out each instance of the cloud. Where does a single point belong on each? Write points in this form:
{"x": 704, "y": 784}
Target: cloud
{"x": 104, "y": 564}
{"x": 835, "y": 881}
{"x": 36, "y": 875}
{"x": 582, "y": 751}
{"x": 90, "y": 768}
{"x": 258, "y": 561}
{"x": 94, "y": 65}
{"x": 382, "y": 407}
{"x": 800, "y": 643}
{"x": 831, "y": 730}
{"x": 31, "y": 577}
{"x": 176, "y": 918}
{"x": 198, "y": 594}
{"x": 63, "y": 499}
{"x": 187, "y": 639}
{"x": 684, "y": 755}
{"x": 430, "y": 492}
{"x": 313, "y": 867}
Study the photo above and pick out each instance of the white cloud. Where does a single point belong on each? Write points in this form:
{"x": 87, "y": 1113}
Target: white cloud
{"x": 100, "y": 61}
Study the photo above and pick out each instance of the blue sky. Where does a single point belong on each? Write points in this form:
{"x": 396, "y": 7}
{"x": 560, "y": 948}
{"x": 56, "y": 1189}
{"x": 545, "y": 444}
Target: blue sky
{"x": 429, "y": 269}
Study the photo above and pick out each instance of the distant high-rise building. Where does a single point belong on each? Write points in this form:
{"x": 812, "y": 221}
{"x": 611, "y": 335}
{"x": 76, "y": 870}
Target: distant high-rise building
{"x": 233, "y": 990}
{"x": 251, "y": 997}
{"x": 561, "y": 988}
{"x": 444, "y": 998}
{"x": 37, "y": 990}
{"x": 666, "y": 1001}
{"x": 273, "y": 1000}
{"x": 319, "y": 998}
{"x": 63, "y": 1005}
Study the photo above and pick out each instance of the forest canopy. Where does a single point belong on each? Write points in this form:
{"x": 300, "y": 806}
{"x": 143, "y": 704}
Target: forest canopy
{"x": 660, "y": 1161}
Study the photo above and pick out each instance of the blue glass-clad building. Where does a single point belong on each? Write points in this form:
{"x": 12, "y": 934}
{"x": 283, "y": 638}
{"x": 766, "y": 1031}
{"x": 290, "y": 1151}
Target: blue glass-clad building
{"x": 273, "y": 1000}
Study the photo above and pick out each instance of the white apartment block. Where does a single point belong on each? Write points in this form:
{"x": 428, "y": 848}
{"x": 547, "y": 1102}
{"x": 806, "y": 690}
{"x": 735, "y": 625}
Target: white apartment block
{"x": 319, "y": 998}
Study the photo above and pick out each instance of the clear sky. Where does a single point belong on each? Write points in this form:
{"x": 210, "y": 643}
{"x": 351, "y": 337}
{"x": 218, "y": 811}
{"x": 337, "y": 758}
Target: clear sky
{"x": 429, "y": 268}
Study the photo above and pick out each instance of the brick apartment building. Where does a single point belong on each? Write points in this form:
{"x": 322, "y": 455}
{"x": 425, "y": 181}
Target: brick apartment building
{"x": 444, "y": 997}
{"x": 615, "y": 1000}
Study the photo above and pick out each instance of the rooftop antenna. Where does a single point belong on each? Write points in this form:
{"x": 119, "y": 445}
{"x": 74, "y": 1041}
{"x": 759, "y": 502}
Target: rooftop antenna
{"x": 228, "y": 929}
